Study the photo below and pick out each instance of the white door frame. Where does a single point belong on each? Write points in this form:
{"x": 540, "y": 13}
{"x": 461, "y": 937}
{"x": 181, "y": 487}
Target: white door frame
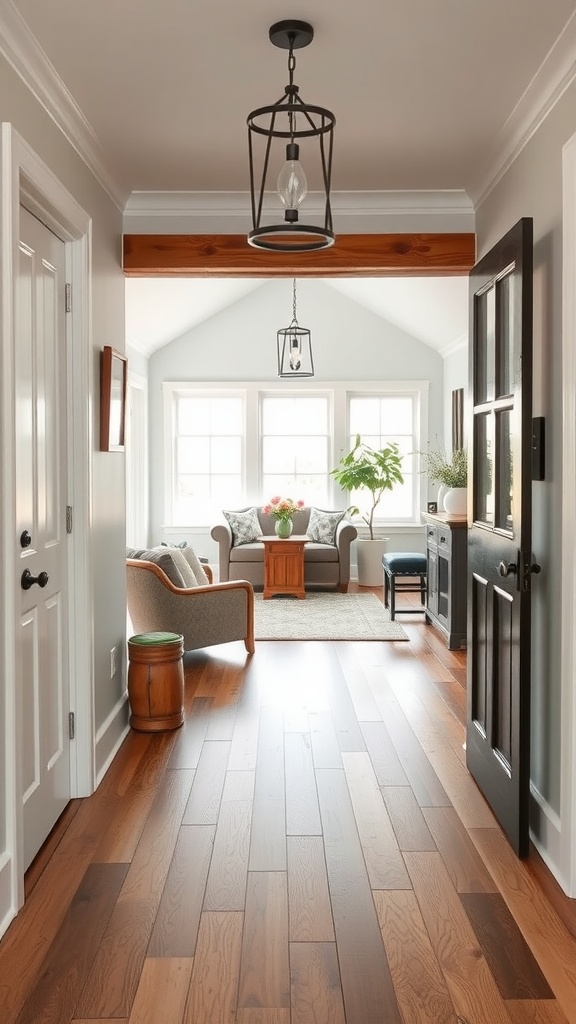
{"x": 25, "y": 179}
{"x": 567, "y": 837}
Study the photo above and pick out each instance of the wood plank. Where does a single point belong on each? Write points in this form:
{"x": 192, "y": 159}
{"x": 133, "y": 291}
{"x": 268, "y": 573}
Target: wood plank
{"x": 244, "y": 745}
{"x": 351, "y": 254}
{"x": 325, "y": 749}
{"x": 539, "y": 1011}
{"x": 214, "y": 983}
{"x": 419, "y": 984}
{"x": 472, "y": 988}
{"x": 176, "y": 925}
{"x": 224, "y": 703}
{"x": 385, "y": 760}
{"x": 264, "y": 967}
{"x": 302, "y": 811}
{"x": 127, "y": 819}
{"x": 308, "y": 895}
{"x": 268, "y": 839}
{"x": 346, "y": 727}
{"x": 548, "y": 938}
{"x": 162, "y": 991}
{"x": 408, "y": 822}
{"x": 511, "y": 961}
{"x": 115, "y": 973}
{"x": 365, "y": 706}
{"x": 384, "y": 863}
{"x": 462, "y": 861}
{"x": 190, "y": 738}
{"x": 206, "y": 792}
{"x": 426, "y": 785}
{"x": 65, "y": 969}
{"x": 316, "y": 993}
{"x": 263, "y": 1015}
{"x": 366, "y": 982}
{"x": 226, "y": 885}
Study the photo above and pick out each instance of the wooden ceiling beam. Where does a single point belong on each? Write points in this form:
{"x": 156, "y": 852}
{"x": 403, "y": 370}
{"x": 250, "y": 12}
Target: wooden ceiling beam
{"x": 351, "y": 256}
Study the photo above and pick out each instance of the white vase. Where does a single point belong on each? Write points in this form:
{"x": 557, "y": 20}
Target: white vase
{"x": 369, "y": 560}
{"x": 456, "y": 501}
{"x": 442, "y": 490}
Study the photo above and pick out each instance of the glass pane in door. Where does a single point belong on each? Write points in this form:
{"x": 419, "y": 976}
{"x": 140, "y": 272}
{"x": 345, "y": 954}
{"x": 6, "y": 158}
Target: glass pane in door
{"x": 485, "y": 346}
{"x": 484, "y": 468}
{"x": 504, "y": 311}
{"x": 503, "y": 519}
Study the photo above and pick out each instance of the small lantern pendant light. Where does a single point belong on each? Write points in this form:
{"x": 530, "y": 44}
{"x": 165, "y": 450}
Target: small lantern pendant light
{"x": 295, "y": 347}
{"x": 279, "y": 121}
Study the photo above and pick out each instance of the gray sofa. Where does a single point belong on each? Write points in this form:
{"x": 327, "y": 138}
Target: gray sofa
{"x": 326, "y": 566}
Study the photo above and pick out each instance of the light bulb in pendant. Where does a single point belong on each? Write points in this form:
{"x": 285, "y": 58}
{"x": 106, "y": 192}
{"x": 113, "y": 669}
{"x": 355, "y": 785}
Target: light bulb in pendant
{"x": 292, "y": 185}
{"x": 295, "y": 353}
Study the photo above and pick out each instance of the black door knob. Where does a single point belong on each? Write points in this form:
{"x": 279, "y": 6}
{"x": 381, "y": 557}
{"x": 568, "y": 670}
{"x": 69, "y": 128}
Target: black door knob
{"x": 25, "y": 539}
{"x": 27, "y": 580}
{"x": 507, "y": 568}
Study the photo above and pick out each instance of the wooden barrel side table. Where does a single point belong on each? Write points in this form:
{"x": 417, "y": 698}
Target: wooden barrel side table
{"x": 156, "y": 681}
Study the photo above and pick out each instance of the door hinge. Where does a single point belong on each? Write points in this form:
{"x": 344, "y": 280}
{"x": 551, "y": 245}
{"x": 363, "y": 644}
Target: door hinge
{"x": 68, "y": 297}
{"x": 71, "y": 725}
{"x": 68, "y": 518}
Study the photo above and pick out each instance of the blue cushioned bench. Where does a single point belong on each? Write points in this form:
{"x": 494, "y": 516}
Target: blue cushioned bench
{"x": 397, "y": 565}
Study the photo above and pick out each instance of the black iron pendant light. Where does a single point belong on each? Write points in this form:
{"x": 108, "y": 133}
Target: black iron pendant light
{"x": 295, "y": 347}
{"x": 292, "y": 121}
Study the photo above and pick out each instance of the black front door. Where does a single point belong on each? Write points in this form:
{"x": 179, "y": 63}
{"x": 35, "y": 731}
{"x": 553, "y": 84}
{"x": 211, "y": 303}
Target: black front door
{"x": 500, "y": 528}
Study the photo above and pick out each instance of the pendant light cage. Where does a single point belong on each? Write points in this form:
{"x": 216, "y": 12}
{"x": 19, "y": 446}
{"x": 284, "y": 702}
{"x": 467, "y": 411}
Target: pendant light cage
{"x": 294, "y": 347}
{"x": 275, "y": 134}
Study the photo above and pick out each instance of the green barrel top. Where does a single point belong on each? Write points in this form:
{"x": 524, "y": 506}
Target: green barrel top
{"x": 156, "y": 638}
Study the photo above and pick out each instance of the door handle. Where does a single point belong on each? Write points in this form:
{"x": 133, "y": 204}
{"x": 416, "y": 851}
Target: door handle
{"x": 27, "y": 580}
{"x": 507, "y": 568}
{"x": 25, "y": 539}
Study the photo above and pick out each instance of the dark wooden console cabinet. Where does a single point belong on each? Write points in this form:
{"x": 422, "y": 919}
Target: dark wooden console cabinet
{"x": 446, "y": 548}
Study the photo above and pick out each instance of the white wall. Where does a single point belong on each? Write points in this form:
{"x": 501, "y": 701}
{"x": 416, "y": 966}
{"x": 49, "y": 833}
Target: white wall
{"x": 455, "y": 376}
{"x": 532, "y": 187}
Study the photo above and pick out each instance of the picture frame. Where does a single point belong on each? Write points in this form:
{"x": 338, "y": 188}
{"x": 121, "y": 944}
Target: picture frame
{"x": 113, "y": 383}
{"x": 432, "y": 507}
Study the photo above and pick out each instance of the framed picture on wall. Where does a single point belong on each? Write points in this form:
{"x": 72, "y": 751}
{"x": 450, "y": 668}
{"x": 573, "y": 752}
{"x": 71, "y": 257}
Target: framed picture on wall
{"x": 114, "y": 373}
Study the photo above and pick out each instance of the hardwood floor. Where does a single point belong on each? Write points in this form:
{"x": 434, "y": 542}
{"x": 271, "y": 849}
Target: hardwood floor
{"x": 308, "y": 849}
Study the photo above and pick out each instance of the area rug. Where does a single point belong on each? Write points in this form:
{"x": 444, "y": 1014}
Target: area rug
{"x": 324, "y": 617}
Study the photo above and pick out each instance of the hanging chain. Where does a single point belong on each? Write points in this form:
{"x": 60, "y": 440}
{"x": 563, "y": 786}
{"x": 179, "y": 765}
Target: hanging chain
{"x": 294, "y": 317}
{"x": 291, "y": 70}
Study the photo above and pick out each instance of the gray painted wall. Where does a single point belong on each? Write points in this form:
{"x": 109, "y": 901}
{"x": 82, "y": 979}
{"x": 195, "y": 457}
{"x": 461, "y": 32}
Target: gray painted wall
{"x": 533, "y": 187}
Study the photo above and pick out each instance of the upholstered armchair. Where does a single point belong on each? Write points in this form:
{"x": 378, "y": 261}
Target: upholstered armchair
{"x": 326, "y": 562}
{"x": 205, "y": 615}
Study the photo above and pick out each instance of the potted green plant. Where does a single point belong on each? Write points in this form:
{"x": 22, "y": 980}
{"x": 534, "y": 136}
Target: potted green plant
{"x": 451, "y": 472}
{"x": 375, "y": 471}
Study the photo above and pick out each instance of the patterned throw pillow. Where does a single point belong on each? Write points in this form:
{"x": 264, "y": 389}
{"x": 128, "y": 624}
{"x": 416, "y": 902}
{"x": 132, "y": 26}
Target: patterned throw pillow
{"x": 245, "y": 526}
{"x": 193, "y": 562}
{"x": 322, "y": 525}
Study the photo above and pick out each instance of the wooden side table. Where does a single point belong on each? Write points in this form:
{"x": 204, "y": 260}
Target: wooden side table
{"x": 156, "y": 681}
{"x": 284, "y": 565}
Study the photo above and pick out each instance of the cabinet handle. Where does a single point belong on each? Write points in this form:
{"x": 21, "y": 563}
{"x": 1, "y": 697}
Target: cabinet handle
{"x": 442, "y": 540}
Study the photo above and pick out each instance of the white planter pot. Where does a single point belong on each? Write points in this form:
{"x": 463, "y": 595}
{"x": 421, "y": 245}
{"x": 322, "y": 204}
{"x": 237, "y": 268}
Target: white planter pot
{"x": 369, "y": 559}
{"x": 456, "y": 501}
{"x": 441, "y": 495}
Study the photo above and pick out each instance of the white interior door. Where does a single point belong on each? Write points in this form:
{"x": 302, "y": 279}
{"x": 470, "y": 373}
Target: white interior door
{"x": 40, "y": 430}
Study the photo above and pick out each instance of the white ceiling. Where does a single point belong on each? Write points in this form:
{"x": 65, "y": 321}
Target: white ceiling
{"x": 426, "y": 93}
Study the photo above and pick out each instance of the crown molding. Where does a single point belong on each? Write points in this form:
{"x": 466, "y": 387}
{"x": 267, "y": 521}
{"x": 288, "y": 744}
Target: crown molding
{"x": 554, "y": 76}
{"x": 222, "y": 204}
{"x": 25, "y": 55}
{"x": 454, "y": 346}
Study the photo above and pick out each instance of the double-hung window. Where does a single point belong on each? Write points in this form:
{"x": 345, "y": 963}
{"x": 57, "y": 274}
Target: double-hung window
{"x": 296, "y": 447}
{"x": 207, "y": 464}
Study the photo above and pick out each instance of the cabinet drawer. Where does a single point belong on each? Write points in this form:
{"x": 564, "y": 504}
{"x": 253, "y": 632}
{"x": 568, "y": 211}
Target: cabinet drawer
{"x": 431, "y": 535}
{"x": 444, "y": 538}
